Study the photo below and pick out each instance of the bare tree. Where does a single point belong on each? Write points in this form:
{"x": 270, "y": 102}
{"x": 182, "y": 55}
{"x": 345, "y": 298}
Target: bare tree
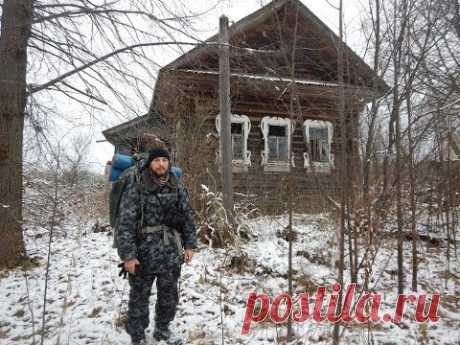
{"x": 81, "y": 50}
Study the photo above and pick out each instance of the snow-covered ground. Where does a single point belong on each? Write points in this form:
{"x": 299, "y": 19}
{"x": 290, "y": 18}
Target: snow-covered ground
{"x": 87, "y": 300}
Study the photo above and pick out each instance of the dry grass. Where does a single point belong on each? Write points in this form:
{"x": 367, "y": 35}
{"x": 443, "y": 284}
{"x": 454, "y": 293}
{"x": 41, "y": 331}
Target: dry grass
{"x": 96, "y": 312}
{"x": 3, "y": 333}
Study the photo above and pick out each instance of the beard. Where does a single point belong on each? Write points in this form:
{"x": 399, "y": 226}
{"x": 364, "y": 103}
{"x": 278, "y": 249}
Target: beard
{"x": 160, "y": 173}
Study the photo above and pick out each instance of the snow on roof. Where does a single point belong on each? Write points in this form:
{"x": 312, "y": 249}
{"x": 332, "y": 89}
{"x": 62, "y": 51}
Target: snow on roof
{"x": 310, "y": 82}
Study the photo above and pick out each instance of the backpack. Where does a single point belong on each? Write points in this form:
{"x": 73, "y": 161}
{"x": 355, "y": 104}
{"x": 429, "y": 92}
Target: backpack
{"x": 116, "y": 192}
{"x": 173, "y": 218}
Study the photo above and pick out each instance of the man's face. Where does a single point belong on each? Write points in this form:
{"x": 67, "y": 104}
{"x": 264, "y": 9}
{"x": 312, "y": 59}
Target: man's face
{"x": 160, "y": 166}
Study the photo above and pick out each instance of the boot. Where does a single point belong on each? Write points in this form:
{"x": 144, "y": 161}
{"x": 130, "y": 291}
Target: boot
{"x": 138, "y": 342}
{"x": 162, "y": 333}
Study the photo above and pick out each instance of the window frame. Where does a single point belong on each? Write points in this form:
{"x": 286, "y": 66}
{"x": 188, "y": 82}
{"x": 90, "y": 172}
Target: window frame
{"x": 246, "y": 128}
{"x": 276, "y": 166}
{"x": 320, "y": 124}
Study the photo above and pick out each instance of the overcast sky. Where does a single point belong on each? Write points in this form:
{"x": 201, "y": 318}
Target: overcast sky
{"x": 235, "y": 10}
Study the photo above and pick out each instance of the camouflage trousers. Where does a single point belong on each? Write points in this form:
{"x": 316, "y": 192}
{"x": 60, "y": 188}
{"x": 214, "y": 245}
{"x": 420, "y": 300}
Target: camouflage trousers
{"x": 138, "y": 306}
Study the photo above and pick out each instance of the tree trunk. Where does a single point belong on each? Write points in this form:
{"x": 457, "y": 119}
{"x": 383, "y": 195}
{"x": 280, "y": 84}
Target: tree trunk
{"x": 456, "y": 16}
{"x": 400, "y": 14}
{"x": 15, "y": 32}
{"x": 413, "y": 204}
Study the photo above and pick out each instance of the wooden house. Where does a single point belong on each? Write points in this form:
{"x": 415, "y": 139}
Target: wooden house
{"x": 284, "y": 102}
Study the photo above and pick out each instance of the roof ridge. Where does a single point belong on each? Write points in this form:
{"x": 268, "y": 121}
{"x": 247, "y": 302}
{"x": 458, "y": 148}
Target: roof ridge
{"x": 232, "y": 29}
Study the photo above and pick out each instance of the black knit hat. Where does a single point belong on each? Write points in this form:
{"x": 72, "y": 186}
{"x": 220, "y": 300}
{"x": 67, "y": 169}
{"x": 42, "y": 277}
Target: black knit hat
{"x": 157, "y": 152}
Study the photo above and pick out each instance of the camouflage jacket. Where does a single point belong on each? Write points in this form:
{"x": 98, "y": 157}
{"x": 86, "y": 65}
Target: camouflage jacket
{"x": 156, "y": 200}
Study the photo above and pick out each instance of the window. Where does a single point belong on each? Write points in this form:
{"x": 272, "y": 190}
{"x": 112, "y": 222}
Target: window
{"x": 277, "y": 144}
{"x": 277, "y": 135}
{"x": 240, "y": 127}
{"x": 319, "y": 145}
{"x": 318, "y": 138}
{"x": 237, "y": 141}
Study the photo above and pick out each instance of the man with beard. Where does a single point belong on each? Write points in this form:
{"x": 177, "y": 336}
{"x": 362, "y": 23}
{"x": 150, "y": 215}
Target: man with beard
{"x": 156, "y": 234}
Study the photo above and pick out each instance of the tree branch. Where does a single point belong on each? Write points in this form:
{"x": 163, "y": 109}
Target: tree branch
{"x": 46, "y": 85}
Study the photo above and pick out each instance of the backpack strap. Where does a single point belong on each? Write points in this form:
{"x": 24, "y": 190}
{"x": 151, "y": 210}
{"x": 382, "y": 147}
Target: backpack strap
{"x": 137, "y": 179}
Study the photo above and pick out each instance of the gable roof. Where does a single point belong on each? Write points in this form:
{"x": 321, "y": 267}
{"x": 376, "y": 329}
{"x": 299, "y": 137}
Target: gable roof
{"x": 265, "y": 13}
{"x": 155, "y": 120}
{"x": 134, "y": 128}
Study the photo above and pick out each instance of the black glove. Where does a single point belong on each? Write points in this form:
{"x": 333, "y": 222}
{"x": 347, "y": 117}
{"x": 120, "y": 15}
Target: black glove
{"x": 123, "y": 271}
